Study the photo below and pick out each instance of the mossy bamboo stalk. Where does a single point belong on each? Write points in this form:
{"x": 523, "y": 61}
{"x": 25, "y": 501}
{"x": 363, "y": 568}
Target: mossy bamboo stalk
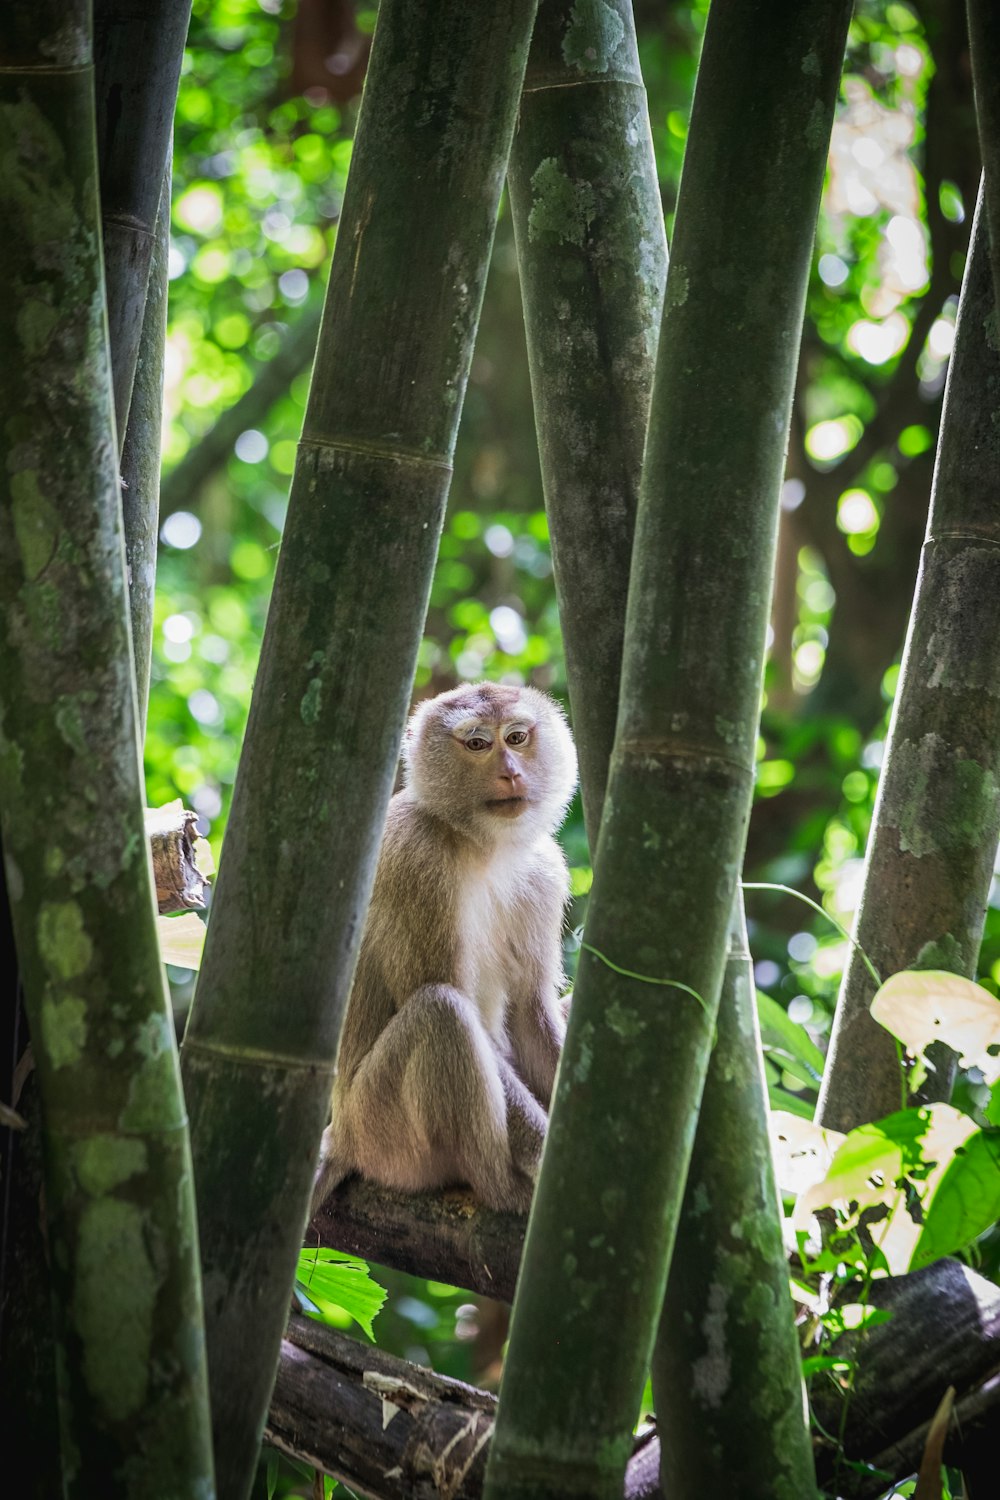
{"x": 984, "y": 49}
{"x": 141, "y": 458}
{"x": 120, "y": 1206}
{"x": 138, "y": 54}
{"x": 727, "y": 1373}
{"x": 592, "y": 310}
{"x": 592, "y": 254}
{"x": 674, "y": 822}
{"x": 937, "y": 814}
{"x": 337, "y": 664}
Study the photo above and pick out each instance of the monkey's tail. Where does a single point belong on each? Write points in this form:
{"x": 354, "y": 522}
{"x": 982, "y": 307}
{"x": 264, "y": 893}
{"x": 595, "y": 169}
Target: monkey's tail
{"x": 333, "y": 1168}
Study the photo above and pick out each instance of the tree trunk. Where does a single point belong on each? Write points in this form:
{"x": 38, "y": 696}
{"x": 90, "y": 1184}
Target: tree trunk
{"x": 937, "y": 816}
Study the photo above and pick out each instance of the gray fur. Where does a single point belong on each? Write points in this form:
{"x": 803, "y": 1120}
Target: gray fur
{"x": 452, "y": 1035}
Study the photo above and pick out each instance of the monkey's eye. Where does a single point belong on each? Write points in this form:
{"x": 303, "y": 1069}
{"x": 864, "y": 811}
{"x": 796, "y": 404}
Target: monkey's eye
{"x": 517, "y": 737}
{"x": 477, "y": 743}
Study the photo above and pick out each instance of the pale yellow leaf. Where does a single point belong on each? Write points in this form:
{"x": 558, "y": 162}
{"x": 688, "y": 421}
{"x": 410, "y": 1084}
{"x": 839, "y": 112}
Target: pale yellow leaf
{"x": 802, "y": 1150}
{"x": 203, "y": 858}
{"x": 930, "y": 1005}
{"x": 181, "y": 940}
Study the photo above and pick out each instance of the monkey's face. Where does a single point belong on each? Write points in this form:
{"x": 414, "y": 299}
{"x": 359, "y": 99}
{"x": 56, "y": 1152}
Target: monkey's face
{"x": 489, "y": 756}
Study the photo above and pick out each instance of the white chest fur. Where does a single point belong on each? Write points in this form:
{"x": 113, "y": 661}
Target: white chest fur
{"x": 493, "y": 919}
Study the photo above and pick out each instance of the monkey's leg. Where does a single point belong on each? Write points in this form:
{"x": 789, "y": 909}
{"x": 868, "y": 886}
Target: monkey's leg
{"x": 537, "y": 1031}
{"x": 432, "y": 1104}
{"x": 526, "y": 1122}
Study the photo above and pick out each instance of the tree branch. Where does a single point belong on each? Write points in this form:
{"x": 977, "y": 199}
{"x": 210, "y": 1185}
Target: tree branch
{"x": 945, "y": 1330}
{"x": 388, "y": 1428}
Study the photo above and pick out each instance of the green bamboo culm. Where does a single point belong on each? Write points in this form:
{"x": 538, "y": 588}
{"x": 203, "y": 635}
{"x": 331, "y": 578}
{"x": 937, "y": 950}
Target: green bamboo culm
{"x": 138, "y": 54}
{"x": 120, "y": 1207}
{"x": 672, "y": 834}
{"x": 337, "y": 664}
{"x": 141, "y": 458}
{"x": 592, "y": 254}
{"x": 984, "y": 50}
{"x": 592, "y": 311}
{"x": 936, "y": 823}
{"x": 727, "y": 1371}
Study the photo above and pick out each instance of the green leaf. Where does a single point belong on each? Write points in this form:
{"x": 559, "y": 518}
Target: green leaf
{"x": 779, "y": 1099}
{"x": 331, "y": 1280}
{"x": 788, "y": 1034}
{"x": 272, "y": 1474}
{"x": 817, "y": 1362}
{"x": 966, "y": 1203}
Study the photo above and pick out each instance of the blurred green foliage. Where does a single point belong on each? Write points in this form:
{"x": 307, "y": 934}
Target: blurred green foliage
{"x": 260, "y": 170}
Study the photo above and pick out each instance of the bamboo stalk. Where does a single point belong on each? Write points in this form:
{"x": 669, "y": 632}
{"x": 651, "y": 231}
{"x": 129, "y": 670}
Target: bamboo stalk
{"x": 138, "y": 51}
{"x": 141, "y": 458}
{"x": 592, "y": 307}
{"x": 592, "y": 255}
{"x": 674, "y": 824}
{"x": 337, "y": 663}
{"x": 120, "y": 1208}
{"x": 937, "y": 815}
{"x": 726, "y": 1364}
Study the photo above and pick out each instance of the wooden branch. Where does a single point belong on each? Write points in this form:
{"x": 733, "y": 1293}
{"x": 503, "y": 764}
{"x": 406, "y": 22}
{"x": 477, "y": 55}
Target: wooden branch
{"x": 446, "y": 1236}
{"x": 388, "y": 1428}
{"x": 945, "y": 1330}
{"x": 179, "y": 883}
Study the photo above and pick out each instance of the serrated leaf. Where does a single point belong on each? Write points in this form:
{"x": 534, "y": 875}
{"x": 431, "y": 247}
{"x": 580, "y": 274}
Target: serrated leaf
{"x": 775, "y": 1022}
{"x": 331, "y": 1278}
{"x": 966, "y": 1200}
{"x": 181, "y": 940}
{"x": 930, "y": 1005}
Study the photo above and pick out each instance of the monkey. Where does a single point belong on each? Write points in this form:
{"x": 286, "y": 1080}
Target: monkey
{"x": 454, "y": 1025}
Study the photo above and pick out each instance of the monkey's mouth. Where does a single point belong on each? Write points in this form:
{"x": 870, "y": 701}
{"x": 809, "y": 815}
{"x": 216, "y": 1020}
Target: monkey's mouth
{"x": 509, "y": 807}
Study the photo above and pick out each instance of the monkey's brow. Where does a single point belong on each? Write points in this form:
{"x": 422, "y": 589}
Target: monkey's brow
{"x": 465, "y": 728}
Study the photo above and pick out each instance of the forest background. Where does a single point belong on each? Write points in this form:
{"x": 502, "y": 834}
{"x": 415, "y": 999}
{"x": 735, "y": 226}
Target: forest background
{"x": 266, "y": 110}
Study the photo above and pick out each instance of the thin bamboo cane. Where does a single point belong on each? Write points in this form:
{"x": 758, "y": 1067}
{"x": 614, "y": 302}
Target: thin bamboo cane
{"x": 141, "y": 458}
{"x": 138, "y": 54}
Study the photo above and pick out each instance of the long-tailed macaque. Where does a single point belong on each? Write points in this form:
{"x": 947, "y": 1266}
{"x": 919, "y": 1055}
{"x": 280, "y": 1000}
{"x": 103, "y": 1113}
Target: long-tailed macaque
{"x": 454, "y": 1025}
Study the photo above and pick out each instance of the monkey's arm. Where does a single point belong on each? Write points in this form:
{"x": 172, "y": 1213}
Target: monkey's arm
{"x": 536, "y": 1022}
